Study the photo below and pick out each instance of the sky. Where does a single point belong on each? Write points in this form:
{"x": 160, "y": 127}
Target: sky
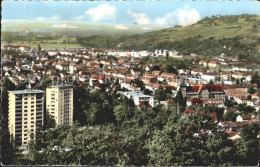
{"x": 122, "y": 13}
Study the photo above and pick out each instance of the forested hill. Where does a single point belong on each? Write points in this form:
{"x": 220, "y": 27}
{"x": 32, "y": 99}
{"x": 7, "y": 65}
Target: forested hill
{"x": 207, "y": 37}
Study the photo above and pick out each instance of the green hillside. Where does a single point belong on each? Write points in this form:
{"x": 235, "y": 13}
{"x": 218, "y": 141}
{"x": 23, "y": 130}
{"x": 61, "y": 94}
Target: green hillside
{"x": 216, "y": 27}
{"x": 207, "y": 37}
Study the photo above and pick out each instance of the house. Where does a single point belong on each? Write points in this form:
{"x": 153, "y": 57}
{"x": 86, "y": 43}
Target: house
{"x": 166, "y": 77}
{"x": 213, "y": 64}
{"x": 256, "y": 96}
{"x": 7, "y": 67}
{"x": 244, "y": 69}
{"x": 149, "y": 78}
{"x": 156, "y": 72}
{"x": 233, "y": 135}
{"x": 189, "y": 112}
{"x": 226, "y": 125}
{"x": 67, "y": 52}
{"x": 97, "y": 79}
{"x": 52, "y": 52}
{"x": 203, "y": 63}
{"x": 232, "y": 109}
{"x": 72, "y": 67}
{"x": 196, "y": 71}
{"x": 152, "y": 86}
{"x": 240, "y": 96}
{"x": 126, "y": 84}
{"x": 209, "y": 76}
{"x": 243, "y": 118}
{"x": 63, "y": 65}
{"x": 215, "y": 116}
{"x": 214, "y": 102}
{"x": 168, "y": 103}
{"x": 183, "y": 71}
{"x": 139, "y": 98}
{"x": 194, "y": 101}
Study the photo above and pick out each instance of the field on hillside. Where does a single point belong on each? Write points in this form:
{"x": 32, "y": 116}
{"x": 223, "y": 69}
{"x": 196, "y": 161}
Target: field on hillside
{"x": 50, "y": 43}
{"x": 53, "y": 46}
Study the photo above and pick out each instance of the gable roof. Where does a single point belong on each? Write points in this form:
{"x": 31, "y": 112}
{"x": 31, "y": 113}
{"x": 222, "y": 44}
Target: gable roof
{"x": 246, "y": 117}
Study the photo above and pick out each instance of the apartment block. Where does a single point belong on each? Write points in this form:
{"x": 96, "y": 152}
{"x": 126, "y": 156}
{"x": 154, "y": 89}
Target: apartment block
{"x": 59, "y": 103}
{"x": 25, "y": 114}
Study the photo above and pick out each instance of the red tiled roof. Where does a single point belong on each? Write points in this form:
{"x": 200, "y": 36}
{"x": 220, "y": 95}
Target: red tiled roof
{"x": 195, "y": 100}
{"x": 189, "y": 111}
{"x": 231, "y": 133}
{"x": 215, "y": 87}
{"x": 246, "y": 117}
{"x": 142, "y": 104}
{"x": 98, "y": 77}
{"x": 194, "y": 88}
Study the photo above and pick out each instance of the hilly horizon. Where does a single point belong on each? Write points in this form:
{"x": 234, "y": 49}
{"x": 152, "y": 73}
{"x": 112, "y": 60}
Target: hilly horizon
{"x": 206, "y": 37}
{"x": 75, "y": 28}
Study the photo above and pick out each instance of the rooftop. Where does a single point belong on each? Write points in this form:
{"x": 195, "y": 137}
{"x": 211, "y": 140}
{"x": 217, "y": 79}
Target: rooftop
{"x": 26, "y": 91}
{"x": 61, "y": 86}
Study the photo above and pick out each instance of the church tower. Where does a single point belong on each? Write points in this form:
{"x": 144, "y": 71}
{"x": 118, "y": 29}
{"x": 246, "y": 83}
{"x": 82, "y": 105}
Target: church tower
{"x": 182, "y": 86}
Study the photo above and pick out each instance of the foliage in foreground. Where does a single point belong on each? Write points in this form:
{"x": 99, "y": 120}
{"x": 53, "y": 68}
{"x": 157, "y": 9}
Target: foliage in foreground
{"x": 131, "y": 136}
{"x": 145, "y": 136}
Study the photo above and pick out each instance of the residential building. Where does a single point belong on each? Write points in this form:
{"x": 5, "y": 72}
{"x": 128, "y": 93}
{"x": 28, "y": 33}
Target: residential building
{"x": 243, "y": 118}
{"x": 203, "y": 63}
{"x": 213, "y": 64}
{"x": 25, "y": 114}
{"x": 59, "y": 103}
{"x": 209, "y": 77}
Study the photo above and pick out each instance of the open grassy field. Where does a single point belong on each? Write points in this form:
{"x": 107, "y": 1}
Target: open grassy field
{"x": 49, "y": 43}
{"x": 46, "y": 45}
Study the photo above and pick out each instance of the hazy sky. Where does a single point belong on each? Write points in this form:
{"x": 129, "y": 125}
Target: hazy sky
{"x": 159, "y": 13}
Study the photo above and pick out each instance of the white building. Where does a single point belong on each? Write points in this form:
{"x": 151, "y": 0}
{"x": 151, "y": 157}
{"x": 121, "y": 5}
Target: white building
{"x": 138, "y": 97}
{"x": 208, "y": 77}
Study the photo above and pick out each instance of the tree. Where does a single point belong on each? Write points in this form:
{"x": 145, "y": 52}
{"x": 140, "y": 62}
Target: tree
{"x": 256, "y": 79}
{"x": 251, "y": 90}
{"x": 230, "y": 116}
{"x": 81, "y": 100}
{"x": 159, "y": 95}
{"x": 169, "y": 68}
{"x": 123, "y": 113}
{"x": 246, "y": 109}
{"x": 44, "y": 84}
{"x": 39, "y": 48}
{"x": 180, "y": 100}
{"x": 248, "y": 146}
{"x": 237, "y": 81}
{"x": 155, "y": 67}
{"x": 20, "y": 87}
{"x": 147, "y": 92}
{"x": 8, "y": 148}
{"x": 50, "y": 122}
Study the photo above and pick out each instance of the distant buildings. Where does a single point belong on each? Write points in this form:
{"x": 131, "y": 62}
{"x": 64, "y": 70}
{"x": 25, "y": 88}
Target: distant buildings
{"x": 15, "y": 47}
{"x": 59, "y": 103}
{"x": 25, "y": 114}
